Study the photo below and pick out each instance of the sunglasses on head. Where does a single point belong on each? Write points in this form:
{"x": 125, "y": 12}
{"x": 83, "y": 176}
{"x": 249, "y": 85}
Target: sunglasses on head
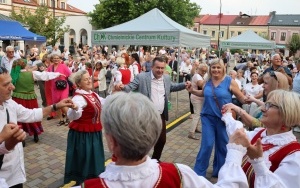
{"x": 3, "y": 70}
{"x": 272, "y": 74}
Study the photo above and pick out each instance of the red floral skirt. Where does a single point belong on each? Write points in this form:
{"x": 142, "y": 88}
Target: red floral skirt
{"x": 30, "y": 128}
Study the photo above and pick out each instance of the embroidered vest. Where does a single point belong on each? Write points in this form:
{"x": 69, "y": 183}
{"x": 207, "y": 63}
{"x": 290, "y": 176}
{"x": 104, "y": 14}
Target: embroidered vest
{"x": 275, "y": 158}
{"x": 90, "y": 119}
{"x": 169, "y": 176}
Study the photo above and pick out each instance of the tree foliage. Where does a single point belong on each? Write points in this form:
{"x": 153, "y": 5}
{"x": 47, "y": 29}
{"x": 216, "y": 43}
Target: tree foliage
{"x": 42, "y": 22}
{"x": 294, "y": 43}
{"x": 113, "y": 12}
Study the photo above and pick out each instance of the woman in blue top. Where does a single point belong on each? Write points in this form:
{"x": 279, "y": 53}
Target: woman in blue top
{"x": 217, "y": 91}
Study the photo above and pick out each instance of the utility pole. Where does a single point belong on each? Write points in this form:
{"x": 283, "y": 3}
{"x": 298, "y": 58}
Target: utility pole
{"x": 53, "y": 6}
{"x": 219, "y": 28}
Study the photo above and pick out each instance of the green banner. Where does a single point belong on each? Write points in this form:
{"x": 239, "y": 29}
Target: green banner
{"x": 104, "y": 37}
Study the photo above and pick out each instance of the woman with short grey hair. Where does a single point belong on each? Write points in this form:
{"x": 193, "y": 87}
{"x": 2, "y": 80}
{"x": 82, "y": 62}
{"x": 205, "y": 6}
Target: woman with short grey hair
{"x": 85, "y": 153}
{"x": 132, "y": 126}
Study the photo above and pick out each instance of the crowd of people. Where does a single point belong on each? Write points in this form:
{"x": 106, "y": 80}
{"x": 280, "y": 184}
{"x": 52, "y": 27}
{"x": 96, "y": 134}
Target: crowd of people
{"x": 246, "y": 114}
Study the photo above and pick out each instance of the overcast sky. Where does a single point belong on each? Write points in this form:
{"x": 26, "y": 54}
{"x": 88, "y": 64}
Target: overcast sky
{"x": 252, "y": 7}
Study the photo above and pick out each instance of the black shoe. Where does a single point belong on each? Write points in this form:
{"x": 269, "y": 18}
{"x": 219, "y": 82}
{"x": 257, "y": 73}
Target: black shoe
{"x": 60, "y": 123}
{"x": 50, "y": 117}
{"x": 36, "y": 138}
{"x": 67, "y": 122}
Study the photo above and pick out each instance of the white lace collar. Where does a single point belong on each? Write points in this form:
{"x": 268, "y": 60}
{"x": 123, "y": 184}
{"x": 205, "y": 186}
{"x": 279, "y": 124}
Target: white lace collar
{"x": 81, "y": 91}
{"x": 130, "y": 173}
{"x": 278, "y": 139}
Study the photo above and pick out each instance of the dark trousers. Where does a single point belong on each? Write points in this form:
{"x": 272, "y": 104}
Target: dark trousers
{"x": 159, "y": 146}
{"x": 17, "y": 186}
{"x": 191, "y": 105}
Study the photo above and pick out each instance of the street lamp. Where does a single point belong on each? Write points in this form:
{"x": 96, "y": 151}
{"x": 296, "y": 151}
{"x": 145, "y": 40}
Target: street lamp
{"x": 53, "y": 6}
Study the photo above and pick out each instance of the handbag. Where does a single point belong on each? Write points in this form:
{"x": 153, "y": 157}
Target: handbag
{"x": 60, "y": 84}
{"x": 217, "y": 102}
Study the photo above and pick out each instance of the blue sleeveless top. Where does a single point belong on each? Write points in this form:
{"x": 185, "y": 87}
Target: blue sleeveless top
{"x": 223, "y": 94}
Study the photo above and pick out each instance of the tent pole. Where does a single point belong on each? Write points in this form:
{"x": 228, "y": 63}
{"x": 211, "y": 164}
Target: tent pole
{"x": 93, "y": 70}
{"x": 177, "y": 79}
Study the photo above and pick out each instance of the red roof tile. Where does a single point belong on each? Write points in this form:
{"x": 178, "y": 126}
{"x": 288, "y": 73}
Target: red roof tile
{"x": 69, "y": 8}
{"x": 260, "y": 20}
{"x": 32, "y": 3}
{"x": 214, "y": 19}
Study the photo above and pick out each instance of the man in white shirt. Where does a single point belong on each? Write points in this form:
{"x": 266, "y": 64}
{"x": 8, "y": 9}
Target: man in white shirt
{"x": 7, "y": 61}
{"x": 12, "y": 169}
{"x": 56, "y": 51}
{"x": 66, "y": 53}
{"x": 157, "y": 87}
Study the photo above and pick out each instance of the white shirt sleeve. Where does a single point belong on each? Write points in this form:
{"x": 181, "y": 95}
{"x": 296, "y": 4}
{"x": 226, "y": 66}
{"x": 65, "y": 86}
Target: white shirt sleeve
{"x": 231, "y": 124}
{"x": 3, "y": 183}
{"x": 81, "y": 103}
{"x": 76, "y": 114}
{"x": 3, "y": 149}
{"x": 285, "y": 176}
{"x": 45, "y": 76}
{"x": 26, "y": 115}
{"x": 231, "y": 174}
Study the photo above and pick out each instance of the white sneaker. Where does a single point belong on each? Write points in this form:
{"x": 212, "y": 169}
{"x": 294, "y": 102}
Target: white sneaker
{"x": 296, "y": 129}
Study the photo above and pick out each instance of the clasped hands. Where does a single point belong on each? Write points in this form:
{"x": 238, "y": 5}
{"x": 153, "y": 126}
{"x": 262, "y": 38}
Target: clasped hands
{"x": 12, "y": 134}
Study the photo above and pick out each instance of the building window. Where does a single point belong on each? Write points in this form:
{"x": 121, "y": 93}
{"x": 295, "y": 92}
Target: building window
{"x": 283, "y": 36}
{"x": 43, "y": 2}
{"x": 52, "y": 3}
{"x": 195, "y": 29}
{"x": 239, "y": 32}
{"x": 205, "y": 32}
{"x": 3, "y": 1}
{"x": 295, "y": 33}
{"x": 273, "y": 35}
{"x": 231, "y": 33}
{"x": 26, "y": 0}
{"x": 221, "y": 34}
{"x": 62, "y": 5}
{"x": 213, "y": 34}
{"x": 62, "y": 41}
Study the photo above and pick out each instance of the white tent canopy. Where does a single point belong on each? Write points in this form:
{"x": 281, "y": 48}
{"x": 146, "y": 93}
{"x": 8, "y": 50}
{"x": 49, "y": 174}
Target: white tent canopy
{"x": 248, "y": 40}
{"x": 152, "y": 28}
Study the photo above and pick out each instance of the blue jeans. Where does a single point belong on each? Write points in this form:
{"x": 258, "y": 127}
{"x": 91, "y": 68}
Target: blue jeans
{"x": 213, "y": 133}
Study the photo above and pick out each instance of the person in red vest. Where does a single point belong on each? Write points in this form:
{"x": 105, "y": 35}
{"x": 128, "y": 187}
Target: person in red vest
{"x": 85, "y": 153}
{"x": 132, "y": 126}
{"x": 123, "y": 74}
{"x": 280, "y": 164}
{"x": 135, "y": 63}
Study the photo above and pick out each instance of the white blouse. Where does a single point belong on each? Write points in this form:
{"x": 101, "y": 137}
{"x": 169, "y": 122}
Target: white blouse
{"x": 287, "y": 174}
{"x": 146, "y": 174}
{"x": 81, "y": 103}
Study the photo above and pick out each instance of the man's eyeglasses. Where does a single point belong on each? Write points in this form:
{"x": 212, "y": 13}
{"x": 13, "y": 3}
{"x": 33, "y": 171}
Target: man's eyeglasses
{"x": 9, "y": 51}
{"x": 269, "y": 105}
{"x": 272, "y": 74}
